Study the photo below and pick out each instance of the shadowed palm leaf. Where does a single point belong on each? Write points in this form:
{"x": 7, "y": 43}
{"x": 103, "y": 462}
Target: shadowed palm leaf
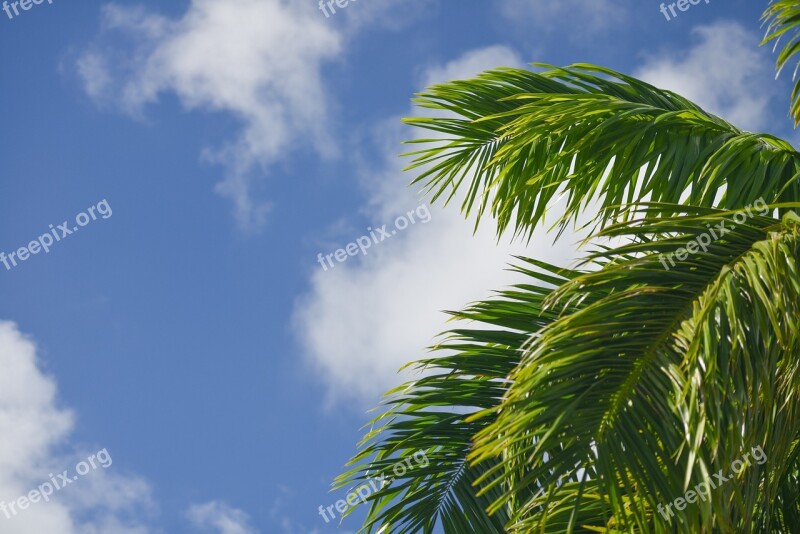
{"x": 651, "y": 385}
{"x": 430, "y": 415}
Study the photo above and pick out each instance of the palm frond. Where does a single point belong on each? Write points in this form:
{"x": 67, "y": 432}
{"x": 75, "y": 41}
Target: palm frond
{"x": 430, "y": 414}
{"x": 659, "y": 379}
{"x": 782, "y": 19}
{"x": 519, "y": 139}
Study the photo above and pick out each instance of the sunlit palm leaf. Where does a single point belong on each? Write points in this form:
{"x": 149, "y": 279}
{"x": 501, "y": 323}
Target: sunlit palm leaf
{"x": 783, "y": 24}
{"x": 520, "y": 138}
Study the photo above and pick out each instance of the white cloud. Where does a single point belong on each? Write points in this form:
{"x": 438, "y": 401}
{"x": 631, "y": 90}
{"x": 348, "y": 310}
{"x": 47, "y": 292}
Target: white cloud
{"x": 471, "y": 63}
{"x": 367, "y": 317}
{"x": 550, "y": 15}
{"x": 724, "y": 73}
{"x": 35, "y": 431}
{"x": 258, "y": 60}
{"x": 219, "y": 518}
{"x": 36, "y": 445}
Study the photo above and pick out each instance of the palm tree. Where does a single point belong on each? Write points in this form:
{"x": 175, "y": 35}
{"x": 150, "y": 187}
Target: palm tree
{"x": 630, "y": 394}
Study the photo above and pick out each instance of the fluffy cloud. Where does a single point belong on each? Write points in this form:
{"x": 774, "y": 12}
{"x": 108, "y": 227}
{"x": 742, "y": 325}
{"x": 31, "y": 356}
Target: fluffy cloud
{"x": 711, "y": 74}
{"x": 221, "y": 518}
{"x": 35, "y": 430}
{"x": 258, "y": 60}
{"x": 364, "y": 319}
{"x": 35, "y": 443}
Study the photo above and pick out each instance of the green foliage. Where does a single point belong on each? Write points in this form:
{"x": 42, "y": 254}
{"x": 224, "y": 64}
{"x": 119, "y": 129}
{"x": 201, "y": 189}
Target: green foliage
{"x": 582, "y": 400}
{"x": 651, "y": 384}
{"x": 783, "y": 22}
{"x": 519, "y": 139}
{"x": 431, "y": 414}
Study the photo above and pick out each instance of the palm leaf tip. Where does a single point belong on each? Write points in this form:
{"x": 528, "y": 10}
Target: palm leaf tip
{"x": 782, "y": 21}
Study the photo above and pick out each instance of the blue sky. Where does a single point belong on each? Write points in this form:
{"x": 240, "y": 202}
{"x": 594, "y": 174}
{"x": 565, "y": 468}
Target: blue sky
{"x": 192, "y": 333}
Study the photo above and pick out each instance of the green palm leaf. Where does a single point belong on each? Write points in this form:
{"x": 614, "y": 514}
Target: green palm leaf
{"x": 599, "y": 397}
{"x": 651, "y": 385}
{"x": 522, "y": 138}
{"x": 783, "y": 22}
{"x": 431, "y": 415}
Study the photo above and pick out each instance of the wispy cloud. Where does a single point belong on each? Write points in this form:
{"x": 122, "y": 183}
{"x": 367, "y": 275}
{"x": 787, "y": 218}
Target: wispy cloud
{"x": 35, "y": 443}
{"x": 710, "y": 72}
{"x": 219, "y": 518}
{"x": 258, "y": 60}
